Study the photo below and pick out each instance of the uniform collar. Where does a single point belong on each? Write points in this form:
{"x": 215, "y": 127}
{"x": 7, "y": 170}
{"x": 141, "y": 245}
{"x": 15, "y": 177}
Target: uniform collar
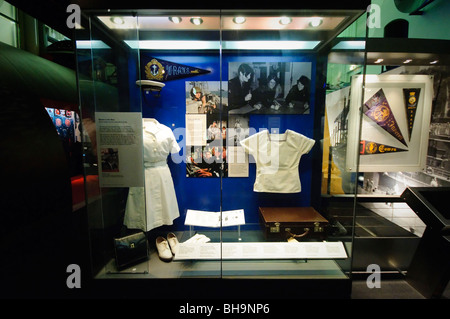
{"x": 150, "y": 125}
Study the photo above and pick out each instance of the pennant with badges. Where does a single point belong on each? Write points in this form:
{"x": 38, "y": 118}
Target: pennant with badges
{"x": 370, "y": 148}
{"x": 377, "y": 108}
{"x": 411, "y": 97}
{"x": 162, "y": 70}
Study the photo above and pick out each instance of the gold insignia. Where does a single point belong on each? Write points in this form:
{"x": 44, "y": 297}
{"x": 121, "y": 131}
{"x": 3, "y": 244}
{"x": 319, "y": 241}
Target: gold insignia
{"x": 371, "y": 147}
{"x": 154, "y": 70}
{"x": 381, "y": 114}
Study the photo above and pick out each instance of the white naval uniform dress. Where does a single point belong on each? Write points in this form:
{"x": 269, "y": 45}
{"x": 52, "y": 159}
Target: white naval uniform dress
{"x": 156, "y": 205}
{"x": 277, "y": 158}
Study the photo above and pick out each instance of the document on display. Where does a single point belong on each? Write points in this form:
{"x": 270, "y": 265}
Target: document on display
{"x": 212, "y": 219}
{"x": 119, "y": 146}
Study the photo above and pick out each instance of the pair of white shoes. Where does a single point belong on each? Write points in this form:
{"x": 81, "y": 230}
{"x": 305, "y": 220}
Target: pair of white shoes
{"x": 167, "y": 248}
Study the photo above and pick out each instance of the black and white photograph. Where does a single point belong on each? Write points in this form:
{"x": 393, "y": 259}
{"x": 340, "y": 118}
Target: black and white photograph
{"x": 237, "y": 129}
{"x": 269, "y": 87}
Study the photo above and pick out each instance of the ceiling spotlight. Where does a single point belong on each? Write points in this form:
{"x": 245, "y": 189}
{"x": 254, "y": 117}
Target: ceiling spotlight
{"x": 315, "y": 22}
{"x": 407, "y": 61}
{"x": 117, "y": 20}
{"x": 434, "y": 62}
{"x": 285, "y": 20}
{"x": 239, "y": 20}
{"x": 379, "y": 61}
{"x": 196, "y": 20}
{"x": 175, "y": 20}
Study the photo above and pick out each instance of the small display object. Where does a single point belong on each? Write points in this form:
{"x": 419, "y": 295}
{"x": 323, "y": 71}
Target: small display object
{"x": 396, "y": 111}
{"x": 130, "y": 250}
{"x": 215, "y": 219}
{"x": 287, "y": 223}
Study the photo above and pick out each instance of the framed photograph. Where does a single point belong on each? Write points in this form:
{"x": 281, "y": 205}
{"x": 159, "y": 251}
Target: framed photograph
{"x": 396, "y": 111}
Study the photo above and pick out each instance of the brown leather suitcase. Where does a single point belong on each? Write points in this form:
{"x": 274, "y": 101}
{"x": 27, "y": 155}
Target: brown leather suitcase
{"x": 301, "y": 223}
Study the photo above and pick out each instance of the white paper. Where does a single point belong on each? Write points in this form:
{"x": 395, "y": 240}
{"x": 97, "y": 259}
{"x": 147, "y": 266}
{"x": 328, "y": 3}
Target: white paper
{"x": 212, "y": 219}
{"x": 266, "y": 250}
{"x": 196, "y": 129}
{"x": 202, "y": 218}
{"x": 237, "y": 160}
{"x": 119, "y": 148}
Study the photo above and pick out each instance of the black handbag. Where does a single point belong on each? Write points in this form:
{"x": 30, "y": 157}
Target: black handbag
{"x": 130, "y": 250}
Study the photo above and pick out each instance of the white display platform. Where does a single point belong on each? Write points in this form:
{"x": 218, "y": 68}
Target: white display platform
{"x": 255, "y": 250}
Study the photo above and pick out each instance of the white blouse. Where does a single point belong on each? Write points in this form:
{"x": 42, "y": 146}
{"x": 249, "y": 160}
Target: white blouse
{"x": 277, "y": 157}
{"x": 159, "y": 142}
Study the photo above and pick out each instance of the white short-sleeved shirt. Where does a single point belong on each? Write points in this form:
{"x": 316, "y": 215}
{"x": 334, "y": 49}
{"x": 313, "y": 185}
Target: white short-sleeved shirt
{"x": 277, "y": 157}
{"x": 159, "y": 141}
{"x": 156, "y": 204}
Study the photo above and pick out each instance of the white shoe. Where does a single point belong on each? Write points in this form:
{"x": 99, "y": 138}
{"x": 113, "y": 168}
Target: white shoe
{"x": 173, "y": 242}
{"x": 162, "y": 245}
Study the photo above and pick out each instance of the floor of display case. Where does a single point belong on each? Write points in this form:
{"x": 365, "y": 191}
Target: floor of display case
{"x": 154, "y": 267}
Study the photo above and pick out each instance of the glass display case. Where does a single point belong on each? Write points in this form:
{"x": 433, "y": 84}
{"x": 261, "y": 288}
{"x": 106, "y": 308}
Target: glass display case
{"x": 252, "y": 144}
{"x": 387, "y": 131}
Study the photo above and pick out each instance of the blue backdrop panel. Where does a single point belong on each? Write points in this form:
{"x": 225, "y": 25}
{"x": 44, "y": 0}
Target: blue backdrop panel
{"x": 233, "y": 192}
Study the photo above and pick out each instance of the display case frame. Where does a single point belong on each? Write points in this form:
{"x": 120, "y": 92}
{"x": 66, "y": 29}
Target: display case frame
{"x": 316, "y": 267}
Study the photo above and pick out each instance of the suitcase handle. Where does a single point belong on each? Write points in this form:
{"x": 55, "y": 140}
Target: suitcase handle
{"x": 300, "y": 235}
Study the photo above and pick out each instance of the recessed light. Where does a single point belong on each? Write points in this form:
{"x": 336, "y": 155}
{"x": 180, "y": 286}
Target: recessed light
{"x": 117, "y": 20}
{"x": 407, "y": 61}
{"x": 379, "y": 61}
{"x": 434, "y": 62}
{"x": 239, "y": 20}
{"x": 315, "y": 22}
{"x": 175, "y": 20}
{"x": 196, "y": 20}
{"x": 285, "y": 20}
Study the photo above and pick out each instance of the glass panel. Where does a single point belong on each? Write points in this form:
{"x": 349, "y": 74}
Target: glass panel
{"x": 172, "y": 171}
{"x": 8, "y": 33}
{"x": 403, "y": 120}
{"x": 111, "y": 117}
{"x": 8, "y": 10}
{"x": 183, "y": 52}
{"x": 339, "y": 180}
{"x": 273, "y": 142}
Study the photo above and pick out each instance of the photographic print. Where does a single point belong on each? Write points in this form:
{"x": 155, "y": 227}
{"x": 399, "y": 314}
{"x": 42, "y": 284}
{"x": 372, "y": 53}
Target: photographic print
{"x": 205, "y": 97}
{"x": 269, "y": 87}
{"x": 238, "y": 129}
{"x": 206, "y": 161}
